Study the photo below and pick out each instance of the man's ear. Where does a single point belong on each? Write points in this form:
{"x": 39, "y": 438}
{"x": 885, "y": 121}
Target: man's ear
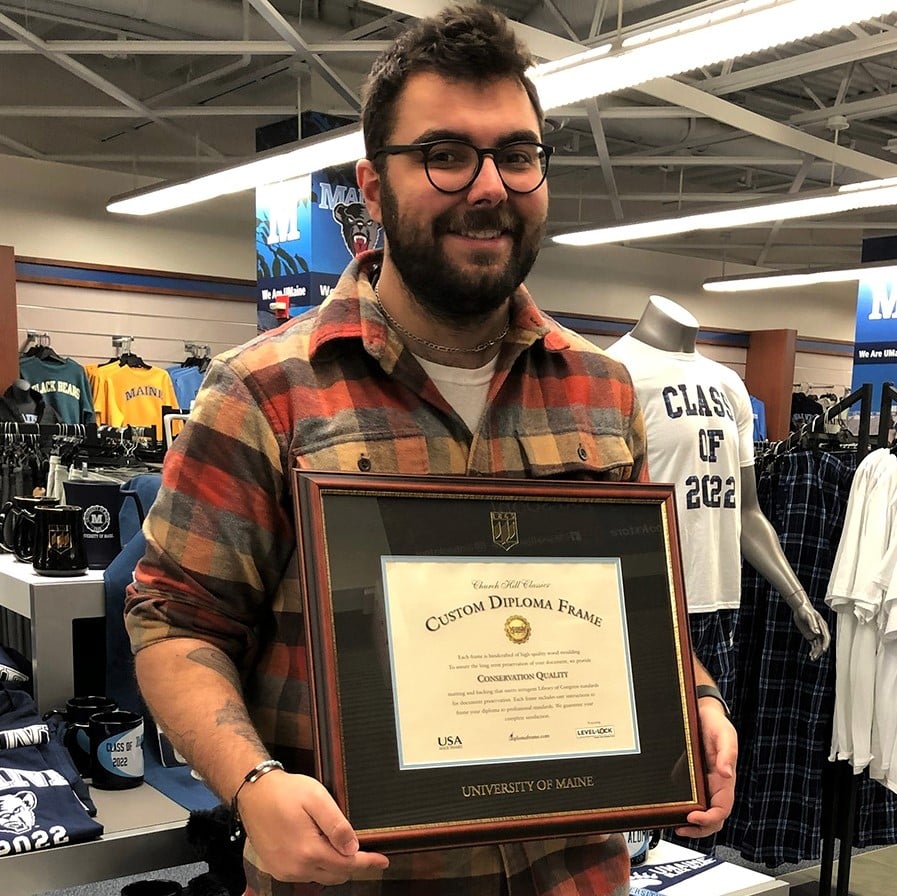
{"x": 368, "y": 181}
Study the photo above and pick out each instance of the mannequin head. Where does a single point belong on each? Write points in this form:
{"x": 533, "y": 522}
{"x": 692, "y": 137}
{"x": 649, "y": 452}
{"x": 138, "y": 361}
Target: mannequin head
{"x": 666, "y": 326}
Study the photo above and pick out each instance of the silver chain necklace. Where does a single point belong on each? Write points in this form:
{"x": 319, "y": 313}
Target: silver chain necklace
{"x": 435, "y": 346}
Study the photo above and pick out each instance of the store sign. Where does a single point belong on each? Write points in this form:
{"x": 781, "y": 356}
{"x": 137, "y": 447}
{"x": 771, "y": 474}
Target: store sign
{"x": 307, "y": 231}
{"x": 875, "y": 342}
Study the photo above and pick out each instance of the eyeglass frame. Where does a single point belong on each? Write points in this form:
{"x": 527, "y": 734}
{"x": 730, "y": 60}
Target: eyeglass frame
{"x": 426, "y": 147}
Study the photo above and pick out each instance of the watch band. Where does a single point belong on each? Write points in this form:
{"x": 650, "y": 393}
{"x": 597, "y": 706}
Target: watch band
{"x": 711, "y": 690}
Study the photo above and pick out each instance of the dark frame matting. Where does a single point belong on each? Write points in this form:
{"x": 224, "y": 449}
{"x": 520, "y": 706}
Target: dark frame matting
{"x": 347, "y": 523}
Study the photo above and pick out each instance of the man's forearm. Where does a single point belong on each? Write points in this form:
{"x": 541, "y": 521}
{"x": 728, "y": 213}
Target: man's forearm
{"x": 702, "y": 676}
{"x": 193, "y": 692}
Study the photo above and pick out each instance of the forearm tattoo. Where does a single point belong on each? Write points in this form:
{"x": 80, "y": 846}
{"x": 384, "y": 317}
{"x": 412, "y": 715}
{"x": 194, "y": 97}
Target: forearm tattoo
{"x": 217, "y": 662}
{"x": 233, "y": 713}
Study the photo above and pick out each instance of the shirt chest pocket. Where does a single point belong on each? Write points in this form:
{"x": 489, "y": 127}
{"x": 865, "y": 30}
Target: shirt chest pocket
{"x": 377, "y": 451}
{"x": 576, "y": 456}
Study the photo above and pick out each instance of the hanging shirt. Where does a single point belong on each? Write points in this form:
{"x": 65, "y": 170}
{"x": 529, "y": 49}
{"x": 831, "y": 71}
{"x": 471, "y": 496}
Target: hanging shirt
{"x": 700, "y": 429}
{"x": 186, "y": 382}
{"x": 64, "y": 387}
{"x": 759, "y": 419}
{"x": 133, "y": 396}
{"x": 856, "y": 592}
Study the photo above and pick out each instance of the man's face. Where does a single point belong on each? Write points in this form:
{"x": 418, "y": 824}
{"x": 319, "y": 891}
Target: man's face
{"x": 461, "y": 254}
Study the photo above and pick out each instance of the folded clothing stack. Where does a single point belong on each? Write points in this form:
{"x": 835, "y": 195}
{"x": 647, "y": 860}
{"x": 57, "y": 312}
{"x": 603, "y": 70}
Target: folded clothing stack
{"x": 43, "y": 801}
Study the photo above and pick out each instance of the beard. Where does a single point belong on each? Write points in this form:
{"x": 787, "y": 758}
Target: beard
{"x": 444, "y": 289}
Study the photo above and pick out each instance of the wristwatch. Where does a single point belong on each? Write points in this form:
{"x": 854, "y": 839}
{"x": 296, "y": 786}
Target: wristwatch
{"x": 711, "y": 690}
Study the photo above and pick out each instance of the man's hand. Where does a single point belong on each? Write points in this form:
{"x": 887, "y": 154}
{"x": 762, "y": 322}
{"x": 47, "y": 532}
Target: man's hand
{"x": 299, "y": 834}
{"x": 720, "y": 754}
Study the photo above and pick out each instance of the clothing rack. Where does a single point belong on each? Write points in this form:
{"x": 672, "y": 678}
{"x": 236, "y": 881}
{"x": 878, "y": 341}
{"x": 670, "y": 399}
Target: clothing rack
{"x": 122, "y": 344}
{"x": 888, "y": 397}
{"x": 89, "y": 435}
{"x": 814, "y": 432}
{"x": 840, "y": 784}
{"x": 48, "y": 430}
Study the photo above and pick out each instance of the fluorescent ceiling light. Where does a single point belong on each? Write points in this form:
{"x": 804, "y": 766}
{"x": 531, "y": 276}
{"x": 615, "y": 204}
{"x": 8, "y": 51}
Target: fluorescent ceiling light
{"x": 698, "y": 21}
{"x": 755, "y": 282}
{"x": 321, "y": 151}
{"x": 877, "y": 193}
{"x": 702, "y": 40}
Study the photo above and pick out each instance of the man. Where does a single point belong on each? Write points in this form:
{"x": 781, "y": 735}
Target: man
{"x": 430, "y": 360}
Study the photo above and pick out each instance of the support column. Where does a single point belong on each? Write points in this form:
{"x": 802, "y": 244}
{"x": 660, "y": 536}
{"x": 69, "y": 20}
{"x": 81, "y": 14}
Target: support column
{"x": 769, "y": 376}
{"x": 9, "y": 332}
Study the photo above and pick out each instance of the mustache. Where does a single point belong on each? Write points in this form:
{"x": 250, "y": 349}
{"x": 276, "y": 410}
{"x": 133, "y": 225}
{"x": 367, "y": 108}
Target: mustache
{"x": 478, "y": 219}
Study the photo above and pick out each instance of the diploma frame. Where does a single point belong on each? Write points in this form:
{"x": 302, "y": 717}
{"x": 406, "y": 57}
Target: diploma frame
{"x": 352, "y": 527}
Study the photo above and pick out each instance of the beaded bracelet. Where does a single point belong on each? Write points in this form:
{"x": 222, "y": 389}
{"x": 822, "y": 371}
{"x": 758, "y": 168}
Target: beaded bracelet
{"x": 269, "y": 765}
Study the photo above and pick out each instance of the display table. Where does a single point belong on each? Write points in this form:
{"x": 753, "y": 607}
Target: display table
{"x": 725, "y": 879}
{"x": 51, "y": 604}
{"x": 144, "y": 831}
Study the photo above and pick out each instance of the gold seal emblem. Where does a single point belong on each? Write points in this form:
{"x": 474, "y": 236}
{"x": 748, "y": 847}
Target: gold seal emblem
{"x": 518, "y": 629}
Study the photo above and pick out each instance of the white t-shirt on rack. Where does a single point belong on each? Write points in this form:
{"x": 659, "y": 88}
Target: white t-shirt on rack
{"x": 856, "y": 592}
{"x": 700, "y": 428}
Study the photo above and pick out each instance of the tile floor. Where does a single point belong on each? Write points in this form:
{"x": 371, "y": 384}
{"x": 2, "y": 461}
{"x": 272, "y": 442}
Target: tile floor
{"x": 872, "y": 873}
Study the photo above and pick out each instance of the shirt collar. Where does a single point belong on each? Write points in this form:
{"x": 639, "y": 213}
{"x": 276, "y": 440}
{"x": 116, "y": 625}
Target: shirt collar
{"x": 350, "y": 312}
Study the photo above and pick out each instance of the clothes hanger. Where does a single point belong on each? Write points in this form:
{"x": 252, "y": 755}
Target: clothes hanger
{"x": 129, "y": 359}
{"x": 43, "y": 351}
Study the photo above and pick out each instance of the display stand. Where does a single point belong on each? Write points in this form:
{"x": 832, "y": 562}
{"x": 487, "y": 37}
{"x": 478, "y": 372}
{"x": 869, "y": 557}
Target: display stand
{"x": 144, "y": 831}
{"x": 840, "y": 784}
{"x": 51, "y": 605}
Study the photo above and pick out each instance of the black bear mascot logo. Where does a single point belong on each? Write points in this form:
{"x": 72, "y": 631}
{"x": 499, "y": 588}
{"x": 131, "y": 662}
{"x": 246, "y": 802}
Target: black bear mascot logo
{"x": 359, "y": 231}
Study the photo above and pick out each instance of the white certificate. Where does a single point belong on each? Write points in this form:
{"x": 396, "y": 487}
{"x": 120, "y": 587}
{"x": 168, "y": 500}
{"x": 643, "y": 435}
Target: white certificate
{"x": 497, "y": 660}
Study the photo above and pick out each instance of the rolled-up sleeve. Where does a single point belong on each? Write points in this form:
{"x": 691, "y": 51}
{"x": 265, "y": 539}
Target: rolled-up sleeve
{"x": 220, "y": 533}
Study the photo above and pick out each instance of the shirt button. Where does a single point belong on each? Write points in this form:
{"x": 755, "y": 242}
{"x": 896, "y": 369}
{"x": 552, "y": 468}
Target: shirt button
{"x": 364, "y": 464}
{"x": 581, "y": 453}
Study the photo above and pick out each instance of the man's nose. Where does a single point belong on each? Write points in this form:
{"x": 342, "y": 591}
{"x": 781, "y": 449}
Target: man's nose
{"x": 487, "y": 186}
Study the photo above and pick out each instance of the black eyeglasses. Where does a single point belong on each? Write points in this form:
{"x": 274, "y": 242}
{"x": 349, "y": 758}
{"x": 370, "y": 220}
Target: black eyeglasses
{"x": 453, "y": 165}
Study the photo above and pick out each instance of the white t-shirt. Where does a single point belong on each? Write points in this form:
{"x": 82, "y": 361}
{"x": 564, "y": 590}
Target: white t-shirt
{"x": 700, "y": 428}
{"x": 466, "y": 390}
{"x": 863, "y": 723}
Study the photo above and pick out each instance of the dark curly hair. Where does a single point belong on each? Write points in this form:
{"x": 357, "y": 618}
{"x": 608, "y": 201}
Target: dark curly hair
{"x": 462, "y": 43}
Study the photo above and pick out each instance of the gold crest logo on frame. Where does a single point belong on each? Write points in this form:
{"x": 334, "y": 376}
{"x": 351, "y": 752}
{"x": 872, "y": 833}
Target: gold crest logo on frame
{"x": 504, "y": 528}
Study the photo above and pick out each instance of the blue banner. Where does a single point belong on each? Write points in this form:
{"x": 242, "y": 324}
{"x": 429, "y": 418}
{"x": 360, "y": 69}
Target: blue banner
{"x": 307, "y": 231}
{"x": 875, "y": 342}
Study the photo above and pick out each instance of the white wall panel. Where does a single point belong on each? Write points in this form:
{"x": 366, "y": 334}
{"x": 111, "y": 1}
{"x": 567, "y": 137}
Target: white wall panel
{"x": 81, "y": 322}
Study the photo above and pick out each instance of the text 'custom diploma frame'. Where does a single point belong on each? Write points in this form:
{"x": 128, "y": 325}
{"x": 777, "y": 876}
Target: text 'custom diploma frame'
{"x": 496, "y": 660}
{"x": 517, "y": 659}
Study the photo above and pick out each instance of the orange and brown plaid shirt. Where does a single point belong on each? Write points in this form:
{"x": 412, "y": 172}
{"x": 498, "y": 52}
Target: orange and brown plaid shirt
{"x": 335, "y": 389}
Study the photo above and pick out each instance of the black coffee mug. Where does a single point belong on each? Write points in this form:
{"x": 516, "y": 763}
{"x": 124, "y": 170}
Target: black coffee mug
{"x": 17, "y": 528}
{"x": 100, "y": 503}
{"x": 57, "y": 545}
{"x": 116, "y": 749}
{"x": 76, "y": 734}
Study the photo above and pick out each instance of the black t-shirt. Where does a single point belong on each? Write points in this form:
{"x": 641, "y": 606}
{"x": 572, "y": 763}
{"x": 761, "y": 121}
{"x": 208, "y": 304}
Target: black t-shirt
{"x": 20, "y": 405}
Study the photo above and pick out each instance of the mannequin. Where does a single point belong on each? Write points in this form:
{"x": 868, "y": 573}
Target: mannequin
{"x": 675, "y": 382}
{"x": 22, "y": 404}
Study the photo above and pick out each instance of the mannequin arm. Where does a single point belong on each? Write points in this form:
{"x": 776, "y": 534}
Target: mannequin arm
{"x": 760, "y": 547}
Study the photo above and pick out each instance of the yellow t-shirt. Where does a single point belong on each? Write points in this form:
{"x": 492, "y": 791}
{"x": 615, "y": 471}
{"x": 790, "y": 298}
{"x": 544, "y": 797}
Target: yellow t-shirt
{"x": 132, "y": 396}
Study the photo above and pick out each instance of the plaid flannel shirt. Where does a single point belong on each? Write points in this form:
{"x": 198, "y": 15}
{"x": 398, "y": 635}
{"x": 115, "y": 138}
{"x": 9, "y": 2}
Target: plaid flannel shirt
{"x": 336, "y": 389}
